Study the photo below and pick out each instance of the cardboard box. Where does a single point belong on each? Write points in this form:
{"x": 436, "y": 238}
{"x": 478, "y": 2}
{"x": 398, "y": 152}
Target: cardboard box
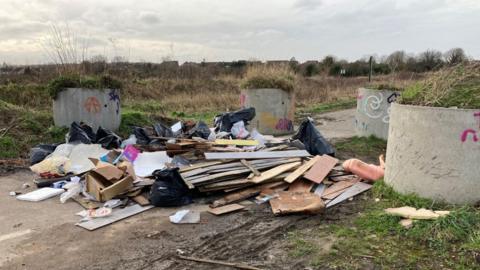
{"x": 107, "y": 181}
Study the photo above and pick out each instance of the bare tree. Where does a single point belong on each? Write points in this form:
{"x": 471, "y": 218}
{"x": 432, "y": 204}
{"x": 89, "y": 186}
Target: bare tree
{"x": 61, "y": 47}
{"x": 396, "y": 60}
{"x": 430, "y": 60}
{"x": 455, "y": 56}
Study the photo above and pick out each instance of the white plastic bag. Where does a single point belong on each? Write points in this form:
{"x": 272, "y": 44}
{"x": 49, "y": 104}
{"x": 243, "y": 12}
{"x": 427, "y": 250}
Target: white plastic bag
{"x": 73, "y": 189}
{"x": 131, "y": 140}
{"x": 258, "y": 137}
{"x": 239, "y": 130}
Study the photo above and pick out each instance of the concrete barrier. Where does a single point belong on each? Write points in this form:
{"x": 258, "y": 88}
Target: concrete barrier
{"x": 373, "y": 112}
{"x": 275, "y": 110}
{"x": 435, "y": 153}
{"x": 97, "y": 107}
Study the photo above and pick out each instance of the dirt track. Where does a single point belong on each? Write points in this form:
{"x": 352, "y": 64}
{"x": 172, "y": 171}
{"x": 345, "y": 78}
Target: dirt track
{"x": 43, "y": 236}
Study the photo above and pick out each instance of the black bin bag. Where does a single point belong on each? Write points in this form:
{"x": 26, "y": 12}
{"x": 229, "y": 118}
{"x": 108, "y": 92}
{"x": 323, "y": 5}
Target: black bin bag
{"x": 108, "y": 139}
{"x": 169, "y": 189}
{"x": 313, "y": 140}
{"x": 81, "y": 133}
{"x": 224, "y": 122}
{"x": 40, "y": 152}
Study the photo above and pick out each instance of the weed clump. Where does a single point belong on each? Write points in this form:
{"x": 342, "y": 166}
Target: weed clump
{"x": 457, "y": 86}
{"x": 90, "y": 82}
{"x": 281, "y": 77}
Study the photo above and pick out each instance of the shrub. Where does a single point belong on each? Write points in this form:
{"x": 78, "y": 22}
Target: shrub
{"x": 280, "y": 76}
{"x": 91, "y": 82}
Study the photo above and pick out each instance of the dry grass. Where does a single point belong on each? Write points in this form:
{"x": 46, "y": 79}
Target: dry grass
{"x": 265, "y": 76}
{"x": 458, "y": 86}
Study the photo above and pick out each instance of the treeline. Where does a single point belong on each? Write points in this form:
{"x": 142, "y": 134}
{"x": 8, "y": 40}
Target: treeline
{"x": 429, "y": 60}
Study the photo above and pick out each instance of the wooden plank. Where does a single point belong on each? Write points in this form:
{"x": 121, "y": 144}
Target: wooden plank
{"x": 275, "y": 148}
{"x": 248, "y": 165}
{"x": 225, "y": 209}
{"x": 354, "y": 190}
{"x": 274, "y": 172}
{"x": 321, "y": 168}
{"x": 243, "y": 194}
{"x": 200, "y": 165}
{"x": 301, "y": 170}
{"x": 236, "y": 142}
{"x": 301, "y": 185}
{"x": 336, "y": 189}
{"x": 117, "y": 214}
{"x": 256, "y": 155}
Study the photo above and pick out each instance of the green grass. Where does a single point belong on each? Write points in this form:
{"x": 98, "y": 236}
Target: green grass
{"x": 8, "y": 147}
{"x": 333, "y": 106}
{"x": 375, "y": 238}
{"x": 362, "y": 146}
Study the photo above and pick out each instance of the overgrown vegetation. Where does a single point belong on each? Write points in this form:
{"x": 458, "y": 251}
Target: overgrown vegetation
{"x": 374, "y": 239}
{"x": 458, "y": 86}
{"x": 264, "y": 76}
{"x": 73, "y": 81}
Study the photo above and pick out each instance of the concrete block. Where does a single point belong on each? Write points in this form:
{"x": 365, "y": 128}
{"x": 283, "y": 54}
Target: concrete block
{"x": 373, "y": 112}
{"x": 97, "y": 107}
{"x": 274, "y": 108}
{"x": 435, "y": 153}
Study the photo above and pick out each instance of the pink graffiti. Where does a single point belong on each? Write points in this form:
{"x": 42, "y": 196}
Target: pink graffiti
{"x": 359, "y": 96}
{"x": 284, "y": 124}
{"x": 243, "y": 99}
{"x": 477, "y": 115}
{"x": 469, "y": 131}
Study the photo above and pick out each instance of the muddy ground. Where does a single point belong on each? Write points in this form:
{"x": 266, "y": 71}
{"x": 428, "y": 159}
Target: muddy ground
{"x": 43, "y": 235}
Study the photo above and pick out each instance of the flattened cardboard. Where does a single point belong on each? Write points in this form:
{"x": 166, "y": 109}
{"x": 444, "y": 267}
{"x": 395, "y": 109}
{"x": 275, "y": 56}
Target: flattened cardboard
{"x": 291, "y": 202}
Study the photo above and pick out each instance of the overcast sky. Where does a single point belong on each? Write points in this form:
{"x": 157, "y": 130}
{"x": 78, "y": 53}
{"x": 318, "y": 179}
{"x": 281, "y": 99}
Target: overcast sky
{"x": 225, "y": 30}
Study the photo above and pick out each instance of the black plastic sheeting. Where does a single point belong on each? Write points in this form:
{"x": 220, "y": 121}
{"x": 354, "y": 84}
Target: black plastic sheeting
{"x": 40, "y": 152}
{"x": 162, "y": 130}
{"x": 83, "y": 133}
{"x": 200, "y": 130}
{"x": 313, "y": 140}
{"x": 108, "y": 139}
{"x": 224, "y": 122}
{"x": 169, "y": 189}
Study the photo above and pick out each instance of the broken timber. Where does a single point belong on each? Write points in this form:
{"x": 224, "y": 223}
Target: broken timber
{"x": 321, "y": 168}
{"x": 274, "y": 172}
{"x": 257, "y": 155}
{"x": 301, "y": 170}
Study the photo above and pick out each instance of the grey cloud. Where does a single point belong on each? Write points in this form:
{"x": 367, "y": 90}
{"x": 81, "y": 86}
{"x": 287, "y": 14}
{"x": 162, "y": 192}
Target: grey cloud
{"x": 149, "y": 17}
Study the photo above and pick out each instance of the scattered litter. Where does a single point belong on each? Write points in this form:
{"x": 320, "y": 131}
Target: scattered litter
{"x": 13, "y": 193}
{"x": 40, "y": 194}
{"x": 94, "y": 213}
{"x": 412, "y": 213}
{"x": 73, "y": 189}
{"x": 406, "y": 223}
{"x": 185, "y": 217}
{"x": 25, "y": 185}
{"x": 116, "y": 215}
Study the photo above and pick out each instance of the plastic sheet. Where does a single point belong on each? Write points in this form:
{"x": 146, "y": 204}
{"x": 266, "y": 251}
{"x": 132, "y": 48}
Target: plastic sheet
{"x": 224, "y": 122}
{"x": 313, "y": 140}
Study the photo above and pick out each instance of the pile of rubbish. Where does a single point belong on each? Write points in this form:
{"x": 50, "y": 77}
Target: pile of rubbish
{"x": 166, "y": 166}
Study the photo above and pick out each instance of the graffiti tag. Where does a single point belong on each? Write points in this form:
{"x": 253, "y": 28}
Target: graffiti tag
{"x": 92, "y": 105}
{"x": 467, "y": 132}
{"x": 393, "y": 97}
{"x": 115, "y": 98}
{"x": 243, "y": 99}
{"x": 284, "y": 124}
{"x": 477, "y": 115}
